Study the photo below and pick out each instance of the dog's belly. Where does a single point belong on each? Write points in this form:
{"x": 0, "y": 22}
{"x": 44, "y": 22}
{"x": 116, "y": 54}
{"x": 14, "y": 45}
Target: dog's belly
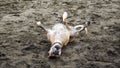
{"x": 59, "y": 33}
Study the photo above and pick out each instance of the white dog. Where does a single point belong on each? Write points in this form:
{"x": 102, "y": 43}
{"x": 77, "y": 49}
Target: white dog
{"x": 60, "y": 34}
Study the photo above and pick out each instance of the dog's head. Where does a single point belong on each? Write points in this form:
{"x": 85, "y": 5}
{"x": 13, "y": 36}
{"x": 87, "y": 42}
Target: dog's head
{"x": 55, "y": 50}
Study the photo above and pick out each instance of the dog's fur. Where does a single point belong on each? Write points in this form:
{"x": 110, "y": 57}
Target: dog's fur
{"x": 61, "y": 34}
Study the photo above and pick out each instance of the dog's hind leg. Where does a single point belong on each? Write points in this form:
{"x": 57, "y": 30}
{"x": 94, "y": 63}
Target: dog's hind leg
{"x": 80, "y": 28}
{"x": 65, "y": 15}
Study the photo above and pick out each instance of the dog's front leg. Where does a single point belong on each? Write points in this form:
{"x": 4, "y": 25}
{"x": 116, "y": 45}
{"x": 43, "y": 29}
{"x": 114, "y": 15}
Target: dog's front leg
{"x": 42, "y": 26}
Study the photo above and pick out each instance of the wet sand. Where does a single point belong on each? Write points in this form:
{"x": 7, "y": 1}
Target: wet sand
{"x": 24, "y": 45}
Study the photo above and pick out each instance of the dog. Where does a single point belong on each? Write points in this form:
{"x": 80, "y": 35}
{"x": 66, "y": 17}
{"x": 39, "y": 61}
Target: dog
{"x": 60, "y": 34}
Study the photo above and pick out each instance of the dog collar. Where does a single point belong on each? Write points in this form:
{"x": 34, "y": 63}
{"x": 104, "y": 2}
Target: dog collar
{"x": 58, "y": 43}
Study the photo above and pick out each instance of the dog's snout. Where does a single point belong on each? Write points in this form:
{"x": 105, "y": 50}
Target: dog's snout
{"x": 56, "y": 52}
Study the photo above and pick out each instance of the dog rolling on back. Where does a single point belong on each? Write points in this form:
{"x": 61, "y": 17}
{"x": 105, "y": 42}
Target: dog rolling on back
{"x": 60, "y": 34}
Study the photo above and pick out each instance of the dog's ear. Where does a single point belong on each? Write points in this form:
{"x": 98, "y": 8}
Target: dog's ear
{"x": 50, "y": 52}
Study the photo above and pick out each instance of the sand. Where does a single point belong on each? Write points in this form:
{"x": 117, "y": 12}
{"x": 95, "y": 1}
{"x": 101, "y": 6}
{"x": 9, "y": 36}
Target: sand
{"x": 24, "y": 45}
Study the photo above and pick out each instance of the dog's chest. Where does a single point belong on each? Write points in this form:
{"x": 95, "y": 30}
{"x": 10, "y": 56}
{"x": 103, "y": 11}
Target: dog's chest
{"x": 59, "y": 28}
{"x": 59, "y": 32}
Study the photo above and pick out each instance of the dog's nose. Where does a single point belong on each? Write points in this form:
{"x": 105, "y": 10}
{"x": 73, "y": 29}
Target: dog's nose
{"x": 56, "y": 52}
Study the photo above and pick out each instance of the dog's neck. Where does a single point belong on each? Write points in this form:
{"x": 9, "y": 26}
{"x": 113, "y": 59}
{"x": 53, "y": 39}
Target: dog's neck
{"x": 58, "y": 44}
{"x": 57, "y": 41}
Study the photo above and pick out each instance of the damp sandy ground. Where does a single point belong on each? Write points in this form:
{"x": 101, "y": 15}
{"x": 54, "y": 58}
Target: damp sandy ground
{"x": 24, "y": 45}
